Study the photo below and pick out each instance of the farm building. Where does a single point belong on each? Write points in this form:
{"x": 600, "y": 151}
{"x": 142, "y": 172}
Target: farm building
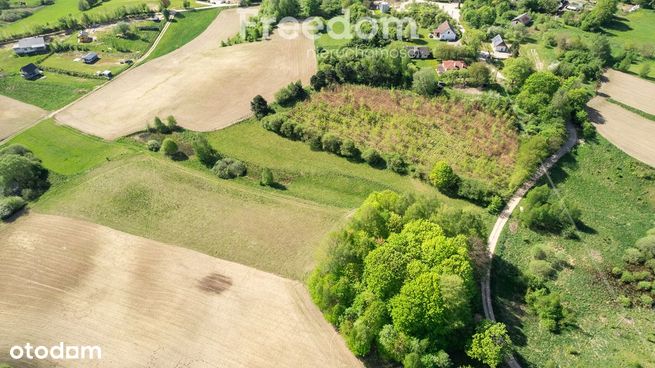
{"x": 90, "y": 58}
{"x": 524, "y": 19}
{"x": 448, "y": 65}
{"x": 445, "y": 32}
{"x": 84, "y": 37}
{"x": 30, "y": 71}
{"x": 30, "y": 45}
{"x": 498, "y": 44}
{"x": 419, "y": 52}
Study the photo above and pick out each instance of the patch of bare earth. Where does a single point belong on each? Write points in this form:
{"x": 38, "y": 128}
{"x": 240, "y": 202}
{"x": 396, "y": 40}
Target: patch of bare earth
{"x": 16, "y": 115}
{"x": 630, "y": 90}
{"x": 147, "y": 304}
{"x": 205, "y": 86}
{"x": 630, "y": 132}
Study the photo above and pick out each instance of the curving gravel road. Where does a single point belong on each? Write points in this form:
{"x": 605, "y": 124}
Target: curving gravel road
{"x": 504, "y": 217}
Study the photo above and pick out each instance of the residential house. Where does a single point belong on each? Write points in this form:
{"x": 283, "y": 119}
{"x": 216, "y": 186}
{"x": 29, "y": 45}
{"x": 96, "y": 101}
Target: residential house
{"x": 84, "y": 37}
{"x": 30, "y": 45}
{"x": 445, "y": 32}
{"x": 498, "y": 44}
{"x": 384, "y": 7}
{"x": 524, "y": 19}
{"x": 448, "y": 65}
{"x": 90, "y": 58}
{"x": 419, "y": 52}
{"x": 30, "y": 71}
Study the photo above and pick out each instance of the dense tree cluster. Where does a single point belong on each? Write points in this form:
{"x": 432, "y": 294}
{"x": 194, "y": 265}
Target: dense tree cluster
{"x": 545, "y": 212}
{"x": 638, "y": 272}
{"x": 22, "y": 178}
{"x": 399, "y": 280}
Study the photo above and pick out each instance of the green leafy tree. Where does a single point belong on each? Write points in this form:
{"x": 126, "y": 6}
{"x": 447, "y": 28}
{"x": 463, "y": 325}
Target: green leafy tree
{"x": 444, "y": 178}
{"x": 425, "y": 82}
{"x": 491, "y": 344}
{"x": 160, "y": 127}
{"x": 418, "y": 309}
{"x": 644, "y": 70}
{"x": 171, "y": 123}
{"x": 516, "y": 71}
{"x": 206, "y": 154}
{"x": 478, "y": 75}
{"x": 259, "y": 107}
{"x": 266, "y": 177}
{"x": 169, "y": 147}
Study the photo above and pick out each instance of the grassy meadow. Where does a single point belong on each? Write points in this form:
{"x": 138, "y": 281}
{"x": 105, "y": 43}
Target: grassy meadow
{"x": 616, "y": 195}
{"x": 183, "y": 29}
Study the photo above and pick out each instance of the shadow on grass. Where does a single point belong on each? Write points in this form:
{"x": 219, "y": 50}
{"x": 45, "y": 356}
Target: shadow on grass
{"x": 278, "y": 186}
{"x": 617, "y": 24}
{"x": 179, "y": 156}
{"x": 508, "y": 289}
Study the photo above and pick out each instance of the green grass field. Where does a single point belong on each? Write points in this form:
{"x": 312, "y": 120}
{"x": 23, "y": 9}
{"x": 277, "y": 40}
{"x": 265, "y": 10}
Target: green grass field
{"x": 61, "y": 8}
{"x": 617, "y": 201}
{"x": 65, "y": 150}
{"x": 328, "y": 43}
{"x": 50, "y": 92}
{"x": 185, "y": 28}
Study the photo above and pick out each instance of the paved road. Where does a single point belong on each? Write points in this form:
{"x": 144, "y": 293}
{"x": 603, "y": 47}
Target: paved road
{"x": 504, "y": 217}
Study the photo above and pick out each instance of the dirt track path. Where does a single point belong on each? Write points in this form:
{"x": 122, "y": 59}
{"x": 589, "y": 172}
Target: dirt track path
{"x": 497, "y": 230}
{"x": 16, "y": 115}
{"x": 205, "y": 86}
{"x": 147, "y": 304}
{"x": 630, "y": 132}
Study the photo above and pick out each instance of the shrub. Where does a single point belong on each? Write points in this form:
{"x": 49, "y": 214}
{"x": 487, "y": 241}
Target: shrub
{"x": 625, "y": 301}
{"x": 10, "y": 205}
{"x": 641, "y": 275}
{"x": 290, "y": 94}
{"x": 171, "y": 123}
{"x": 266, "y": 177}
{"x": 396, "y": 163}
{"x": 617, "y": 271}
{"x": 627, "y": 277}
{"x": 651, "y": 264}
{"x": 288, "y": 129}
{"x": 169, "y": 147}
{"x": 373, "y": 157}
{"x": 647, "y": 246}
{"x": 228, "y": 168}
{"x": 541, "y": 269}
{"x": 475, "y": 191}
{"x": 153, "y": 145}
{"x": 548, "y": 307}
{"x": 444, "y": 178}
{"x": 633, "y": 256}
{"x": 539, "y": 252}
{"x": 273, "y": 123}
{"x": 348, "y": 149}
{"x": 331, "y": 143}
{"x": 643, "y": 285}
{"x": 259, "y": 107}
{"x": 496, "y": 205}
{"x": 646, "y": 301}
{"x": 425, "y": 82}
{"x": 206, "y": 154}
{"x": 159, "y": 126}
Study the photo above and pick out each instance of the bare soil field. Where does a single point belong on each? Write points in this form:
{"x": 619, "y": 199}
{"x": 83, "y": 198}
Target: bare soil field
{"x": 630, "y": 90}
{"x": 16, "y": 115}
{"x": 205, "y": 86}
{"x": 148, "y": 304}
{"x": 630, "y": 132}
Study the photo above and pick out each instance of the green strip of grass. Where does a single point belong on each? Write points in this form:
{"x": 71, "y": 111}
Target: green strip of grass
{"x": 185, "y": 27}
{"x": 65, "y": 150}
{"x": 632, "y": 109}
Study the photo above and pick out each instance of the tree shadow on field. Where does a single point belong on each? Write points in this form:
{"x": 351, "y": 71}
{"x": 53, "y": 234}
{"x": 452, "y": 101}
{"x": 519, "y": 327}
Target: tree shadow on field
{"x": 508, "y": 288}
{"x": 278, "y": 186}
{"x": 618, "y": 24}
{"x": 18, "y": 214}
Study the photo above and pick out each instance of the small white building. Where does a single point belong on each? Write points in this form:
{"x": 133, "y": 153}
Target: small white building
{"x": 30, "y": 45}
{"x": 499, "y": 45}
{"x": 445, "y": 32}
{"x": 384, "y": 7}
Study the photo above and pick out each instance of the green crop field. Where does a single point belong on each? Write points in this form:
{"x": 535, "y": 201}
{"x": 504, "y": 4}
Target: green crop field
{"x": 184, "y": 28}
{"x": 617, "y": 198}
{"x": 65, "y": 150}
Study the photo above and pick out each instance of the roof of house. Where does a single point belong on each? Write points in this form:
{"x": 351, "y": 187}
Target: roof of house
{"x": 524, "y": 18}
{"x": 29, "y": 69}
{"x": 31, "y": 42}
{"x": 453, "y": 64}
{"x": 497, "y": 40}
{"x": 443, "y": 27}
{"x": 90, "y": 55}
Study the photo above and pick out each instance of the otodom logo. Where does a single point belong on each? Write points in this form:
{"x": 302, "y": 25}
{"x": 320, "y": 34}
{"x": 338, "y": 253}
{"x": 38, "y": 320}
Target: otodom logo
{"x": 60, "y": 351}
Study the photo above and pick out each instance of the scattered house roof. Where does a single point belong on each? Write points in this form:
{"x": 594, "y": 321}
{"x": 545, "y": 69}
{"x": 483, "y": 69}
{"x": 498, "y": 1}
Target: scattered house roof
{"x": 90, "y": 57}
{"x": 448, "y": 65}
{"x": 497, "y": 40}
{"x": 30, "y": 45}
{"x": 443, "y": 27}
{"x": 524, "y": 19}
{"x": 419, "y": 52}
{"x": 30, "y": 71}
{"x": 444, "y": 32}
